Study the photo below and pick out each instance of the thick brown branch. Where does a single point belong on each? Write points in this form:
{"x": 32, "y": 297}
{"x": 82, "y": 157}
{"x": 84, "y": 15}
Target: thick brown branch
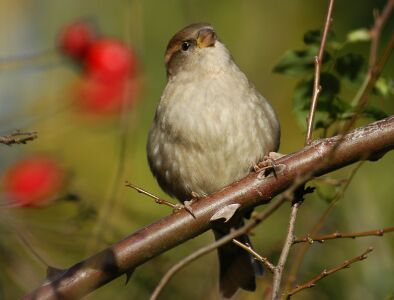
{"x": 325, "y": 273}
{"x": 339, "y": 235}
{"x": 370, "y": 141}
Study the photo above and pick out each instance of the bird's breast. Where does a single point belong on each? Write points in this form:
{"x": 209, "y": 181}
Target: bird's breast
{"x": 207, "y": 135}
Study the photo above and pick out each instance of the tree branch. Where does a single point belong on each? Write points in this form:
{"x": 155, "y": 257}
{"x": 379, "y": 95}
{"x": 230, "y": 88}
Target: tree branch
{"x": 339, "y": 235}
{"x": 278, "y": 271}
{"x": 325, "y": 273}
{"x": 206, "y": 249}
{"x": 369, "y": 142}
{"x": 375, "y": 33}
{"x": 316, "y": 84}
{"x": 18, "y": 137}
{"x": 308, "y": 139}
{"x": 257, "y": 256}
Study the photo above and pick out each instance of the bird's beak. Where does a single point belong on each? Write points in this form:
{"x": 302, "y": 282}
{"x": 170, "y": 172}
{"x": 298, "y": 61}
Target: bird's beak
{"x": 206, "y": 38}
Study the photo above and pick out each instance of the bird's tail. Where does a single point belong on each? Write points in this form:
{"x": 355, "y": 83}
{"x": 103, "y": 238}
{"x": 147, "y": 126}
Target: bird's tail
{"x": 238, "y": 269}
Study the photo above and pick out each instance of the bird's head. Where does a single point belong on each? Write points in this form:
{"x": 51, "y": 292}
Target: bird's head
{"x": 195, "y": 48}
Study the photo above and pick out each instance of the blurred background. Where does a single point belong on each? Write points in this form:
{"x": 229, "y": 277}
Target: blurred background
{"x": 90, "y": 142}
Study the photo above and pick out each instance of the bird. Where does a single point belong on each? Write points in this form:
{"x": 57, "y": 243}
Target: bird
{"x": 211, "y": 126}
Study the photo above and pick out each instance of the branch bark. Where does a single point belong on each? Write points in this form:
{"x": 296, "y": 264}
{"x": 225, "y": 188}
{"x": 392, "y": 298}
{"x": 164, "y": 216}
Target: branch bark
{"x": 369, "y": 142}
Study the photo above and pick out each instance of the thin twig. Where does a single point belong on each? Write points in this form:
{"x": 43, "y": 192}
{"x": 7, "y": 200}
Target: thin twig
{"x": 339, "y": 235}
{"x": 325, "y": 273}
{"x": 270, "y": 266}
{"x": 316, "y": 227}
{"x": 308, "y": 139}
{"x": 361, "y": 98}
{"x": 157, "y": 199}
{"x": 257, "y": 219}
{"x": 318, "y": 64}
{"x": 376, "y": 31}
{"x": 374, "y": 66}
{"x": 18, "y": 137}
{"x": 360, "y": 101}
{"x": 285, "y": 252}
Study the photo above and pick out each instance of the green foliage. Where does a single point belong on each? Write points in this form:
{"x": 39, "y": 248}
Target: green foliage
{"x": 384, "y": 87}
{"x": 359, "y": 35}
{"x": 298, "y": 62}
{"x": 339, "y": 68}
{"x": 350, "y": 66}
{"x": 374, "y": 113}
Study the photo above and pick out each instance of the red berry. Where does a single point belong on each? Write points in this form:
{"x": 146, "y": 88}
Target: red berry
{"x": 76, "y": 39}
{"x": 105, "y": 98}
{"x": 110, "y": 60}
{"x": 33, "y": 181}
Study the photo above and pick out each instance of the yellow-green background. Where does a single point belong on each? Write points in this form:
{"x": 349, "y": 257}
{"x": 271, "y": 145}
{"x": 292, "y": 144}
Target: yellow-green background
{"x": 36, "y": 96}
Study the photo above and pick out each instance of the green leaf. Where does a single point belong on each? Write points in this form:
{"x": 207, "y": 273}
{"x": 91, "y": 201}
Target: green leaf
{"x": 374, "y": 113}
{"x": 350, "y": 66}
{"x": 313, "y": 37}
{"x": 358, "y": 35}
{"x": 303, "y": 92}
{"x": 299, "y": 62}
{"x": 340, "y": 106}
{"x": 384, "y": 87}
{"x": 328, "y": 106}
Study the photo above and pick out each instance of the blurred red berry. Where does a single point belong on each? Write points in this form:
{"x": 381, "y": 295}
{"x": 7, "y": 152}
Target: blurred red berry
{"x": 105, "y": 98}
{"x": 76, "y": 39}
{"x": 33, "y": 181}
{"x": 110, "y": 60}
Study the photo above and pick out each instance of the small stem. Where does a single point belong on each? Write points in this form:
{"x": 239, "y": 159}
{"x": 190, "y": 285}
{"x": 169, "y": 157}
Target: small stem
{"x": 257, "y": 256}
{"x": 325, "y": 273}
{"x": 338, "y": 235}
{"x": 316, "y": 85}
{"x": 285, "y": 252}
{"x": 157, "y": 199}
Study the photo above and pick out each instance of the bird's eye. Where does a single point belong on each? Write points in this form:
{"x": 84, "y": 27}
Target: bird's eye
{"x": 185, "y": 46}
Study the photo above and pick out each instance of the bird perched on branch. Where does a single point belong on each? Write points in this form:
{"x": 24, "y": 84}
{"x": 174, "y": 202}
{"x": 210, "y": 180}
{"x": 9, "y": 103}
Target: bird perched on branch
{"x": 211, "y": 127}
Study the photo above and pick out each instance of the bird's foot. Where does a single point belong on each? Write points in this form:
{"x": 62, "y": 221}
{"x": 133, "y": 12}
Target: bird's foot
{"x": 268, "y": 165}
{"x": 188, "y": 204}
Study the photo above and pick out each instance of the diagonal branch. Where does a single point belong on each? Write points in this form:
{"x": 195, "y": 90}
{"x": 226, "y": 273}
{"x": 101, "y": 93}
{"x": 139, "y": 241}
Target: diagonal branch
{"x": 340, "y": 235}
{"x": 369, "y": 142}
{"x": 206, "y": 249}
{"x": 325, "y": 273}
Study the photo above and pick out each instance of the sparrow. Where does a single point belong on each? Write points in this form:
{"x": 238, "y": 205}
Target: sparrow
{"x": 210, "y": 128}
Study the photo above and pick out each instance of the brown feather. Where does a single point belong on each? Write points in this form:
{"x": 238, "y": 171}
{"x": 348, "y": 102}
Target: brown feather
{"x": 174, "y": 45}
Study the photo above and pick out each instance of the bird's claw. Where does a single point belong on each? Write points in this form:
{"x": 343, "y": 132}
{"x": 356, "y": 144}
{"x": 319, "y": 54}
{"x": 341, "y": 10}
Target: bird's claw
{"x": 268, "y": 165}
{"x": 188, "y": 207}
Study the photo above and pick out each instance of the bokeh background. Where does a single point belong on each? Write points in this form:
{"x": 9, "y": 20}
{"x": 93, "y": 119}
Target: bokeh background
{"x": 99, "y": 153}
